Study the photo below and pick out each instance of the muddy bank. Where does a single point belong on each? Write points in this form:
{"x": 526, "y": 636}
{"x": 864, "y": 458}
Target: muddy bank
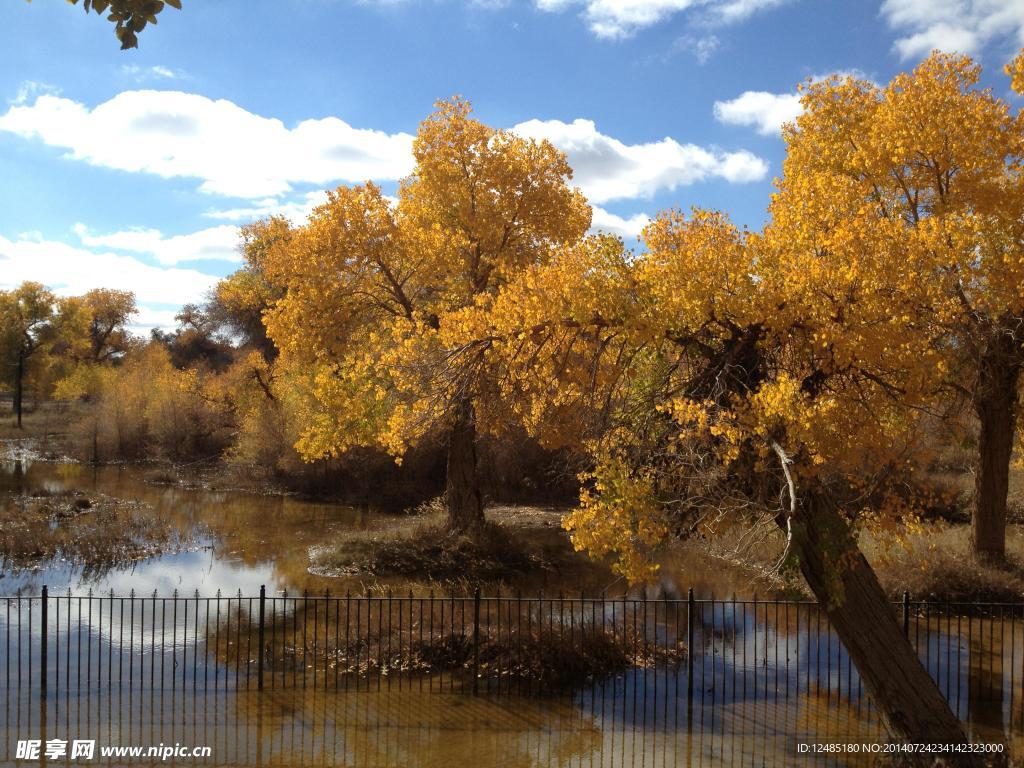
{"x": 516, "y": 543}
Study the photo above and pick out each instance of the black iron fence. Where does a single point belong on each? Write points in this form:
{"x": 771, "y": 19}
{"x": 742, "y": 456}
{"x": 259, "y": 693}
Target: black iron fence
{"x": 704, "y": 652}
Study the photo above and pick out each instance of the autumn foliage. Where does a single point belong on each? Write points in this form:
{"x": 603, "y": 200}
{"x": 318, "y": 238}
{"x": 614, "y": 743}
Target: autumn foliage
{"x": 715, "y": 378}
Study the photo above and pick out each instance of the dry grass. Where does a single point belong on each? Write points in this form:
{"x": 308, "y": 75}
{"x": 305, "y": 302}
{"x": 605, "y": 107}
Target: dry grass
{"x": 344, "y": 639}
{"x": 514, "y": 542}
{"x": 95, "y": 531}
{"x": 938, "y": 565}
{"x": 44, "y": 430}
{"x": 427, "y": 550}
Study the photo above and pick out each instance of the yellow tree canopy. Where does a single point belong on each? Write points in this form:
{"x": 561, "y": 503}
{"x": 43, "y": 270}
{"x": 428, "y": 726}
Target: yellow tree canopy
{"x": 371, "y": 284}
{"x": 894, "y": 234}
{"x": 916, "y": 187}
{"x": 680, "y": 352}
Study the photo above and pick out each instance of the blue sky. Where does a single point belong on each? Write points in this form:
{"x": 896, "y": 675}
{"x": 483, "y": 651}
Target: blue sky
{"x": 133, "y": 169}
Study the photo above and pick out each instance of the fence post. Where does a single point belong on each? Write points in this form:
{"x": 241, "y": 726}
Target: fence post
{"x": 689, "y": 650}
{"x": 43, "y": 638}
{"x": 690, "y": 635}
{"x": 906, "y": 613}
{"x": 263, "y": 651}
{"x": 476, "y": 640}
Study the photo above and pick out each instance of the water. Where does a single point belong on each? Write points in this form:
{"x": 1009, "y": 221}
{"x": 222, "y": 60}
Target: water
{"x": 765, "y": 678}
{"x": 235, "y": 540}
{"x": 232, "y": 540}
{"x": 409, "y": 728}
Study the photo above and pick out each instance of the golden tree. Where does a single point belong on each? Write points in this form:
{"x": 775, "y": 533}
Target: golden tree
{"x": 96, "y": 325}
{"x": 922, "y": 180}
{"x": 91, "y": 335}
{"x": 711, "y": 376}
{"x": 734, "y": 369}
{"x": 374, "y": 292}
{"x": 27, "y": 324}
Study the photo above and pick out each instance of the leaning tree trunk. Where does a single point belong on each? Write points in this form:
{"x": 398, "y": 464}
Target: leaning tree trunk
{"x": 462, "y": 486}
{"x": 912, "y": 708}
{"x": 995, "y": 403}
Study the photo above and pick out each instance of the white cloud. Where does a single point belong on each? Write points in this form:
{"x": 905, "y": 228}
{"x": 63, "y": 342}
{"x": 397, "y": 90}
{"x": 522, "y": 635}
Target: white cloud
{"x": 626, "y": 228}
{"x": 29, "y": 89}
{"x": 613, "y": 19}
{"x": 962, "y": 26}
{"x": 71, "y": 271}
{"x": 607, "y": 169}
{"x": 149, "y": 317}
{"x": 235, "y": 153}
{"x": 215, "y": 244}
{"x": 703, "y": 48}
{"x": 155, "y": 72}
{"x": 297, "y": 211}
{"x": 730, "y": 11}
{"x": 232, "y": 151}
{"x": 765, "y": 111}
{"x": 768, "y": 111}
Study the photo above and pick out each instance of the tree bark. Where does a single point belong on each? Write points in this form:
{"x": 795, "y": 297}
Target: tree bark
{"x": 19, "y": 387}
{"x": 911, "y": 706}
{"x": 995, "y": 403}
{"x": 462, "y": 486}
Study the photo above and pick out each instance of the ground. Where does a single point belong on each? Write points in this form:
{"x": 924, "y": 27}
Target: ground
{"x": 514, "y": 544}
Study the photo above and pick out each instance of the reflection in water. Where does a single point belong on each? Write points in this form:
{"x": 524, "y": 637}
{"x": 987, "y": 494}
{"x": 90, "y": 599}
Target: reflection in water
{"x": 620, "y": 724}
{"x": 766, "y": 676}
{"x": 246, "y": 539}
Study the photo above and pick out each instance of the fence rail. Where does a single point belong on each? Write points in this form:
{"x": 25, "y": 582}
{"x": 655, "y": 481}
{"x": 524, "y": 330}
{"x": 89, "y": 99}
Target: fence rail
{"x": 712, "y": 650}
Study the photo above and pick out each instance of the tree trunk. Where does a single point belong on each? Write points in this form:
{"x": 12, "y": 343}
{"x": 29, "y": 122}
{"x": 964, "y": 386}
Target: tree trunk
{"x": 911, "y": 706}
{"x": 995, "y": 403}
{"x": 18, "y": 387}
{"x": 462, "y": 487}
